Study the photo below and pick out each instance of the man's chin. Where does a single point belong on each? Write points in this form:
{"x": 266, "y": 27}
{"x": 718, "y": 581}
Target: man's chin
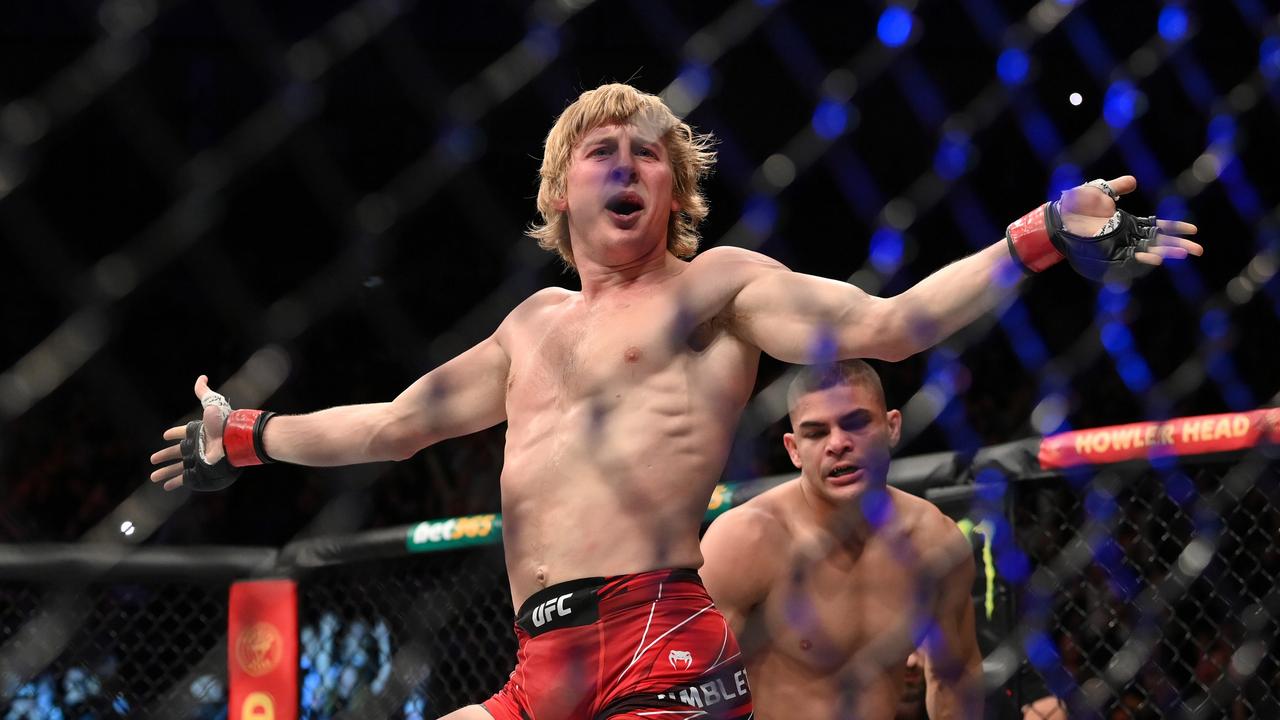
{"x": 845, "y": 493}
{"x": 910, "y": 710}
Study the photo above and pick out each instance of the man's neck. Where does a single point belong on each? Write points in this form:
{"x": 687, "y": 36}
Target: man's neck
{"x": 845, "y": 524}
{"x": 600, "y": 280}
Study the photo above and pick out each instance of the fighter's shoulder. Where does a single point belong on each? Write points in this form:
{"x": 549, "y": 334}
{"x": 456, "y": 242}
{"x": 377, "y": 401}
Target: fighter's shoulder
{"x": 933, "y": 530}
{"x": 733, "y": 260}
{"x": 758, "y": 526}
{"x": 544, "y": 301}
{"x": 745, "y": 551}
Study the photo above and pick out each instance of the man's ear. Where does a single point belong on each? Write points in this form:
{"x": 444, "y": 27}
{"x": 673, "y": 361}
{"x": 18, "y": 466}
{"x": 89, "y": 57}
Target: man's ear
{"x": 789, "y": 442}
{"x": 560, "y": 203}
{"x": 894, "y": 419}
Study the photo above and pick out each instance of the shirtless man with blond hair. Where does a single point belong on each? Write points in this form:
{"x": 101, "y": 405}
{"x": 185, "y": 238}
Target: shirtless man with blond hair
{"x": 621, "y": 402}
{"x": 832, "y": 579}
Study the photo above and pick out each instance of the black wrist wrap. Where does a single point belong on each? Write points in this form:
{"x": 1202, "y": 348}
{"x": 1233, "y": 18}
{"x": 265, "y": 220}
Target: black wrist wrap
{"x": 1108, "y": 256}
{"x": 198, "y": 474}
{"x": 259, "y": 426}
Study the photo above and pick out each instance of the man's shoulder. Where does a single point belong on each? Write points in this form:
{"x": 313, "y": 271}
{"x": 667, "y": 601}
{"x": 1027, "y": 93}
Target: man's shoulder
{"x": 729, "y": 257}
{"x": 549, "y": 296}
{"x": 758, "y": 523}
{"x": 932, "y": 530}
{"x": 924, "y": 520}
{"x": 543, "y": 301}
{"x": 745, "y": 549}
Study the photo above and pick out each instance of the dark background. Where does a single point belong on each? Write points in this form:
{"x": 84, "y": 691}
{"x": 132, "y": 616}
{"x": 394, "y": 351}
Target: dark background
{"x": 186, "y": 184}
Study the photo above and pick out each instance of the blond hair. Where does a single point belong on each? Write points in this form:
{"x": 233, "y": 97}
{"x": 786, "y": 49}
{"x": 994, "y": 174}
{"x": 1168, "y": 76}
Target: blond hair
{"x": 690, "y": 155}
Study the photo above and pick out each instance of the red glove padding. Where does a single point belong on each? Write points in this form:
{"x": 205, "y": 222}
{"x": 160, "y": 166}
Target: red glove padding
{"x": 1029, "y": 241}
{"x": 242, "y": 437}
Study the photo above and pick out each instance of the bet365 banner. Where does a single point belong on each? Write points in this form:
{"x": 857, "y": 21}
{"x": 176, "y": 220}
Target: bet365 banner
{"x": 262, "y": 650}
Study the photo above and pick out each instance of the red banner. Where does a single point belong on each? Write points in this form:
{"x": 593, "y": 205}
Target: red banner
{"x": 1181, "y": 436}
{"x": 262, "y": 650}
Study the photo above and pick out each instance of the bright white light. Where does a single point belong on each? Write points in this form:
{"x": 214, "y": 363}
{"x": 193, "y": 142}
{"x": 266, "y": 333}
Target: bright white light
{"x": 127, "y": 527}
{"x": 1075, "y": 98}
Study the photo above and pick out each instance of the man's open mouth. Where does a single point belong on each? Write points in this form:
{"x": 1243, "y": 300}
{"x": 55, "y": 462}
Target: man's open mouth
{"x": 624, "y": 204}
{"x": 845, "y": 474}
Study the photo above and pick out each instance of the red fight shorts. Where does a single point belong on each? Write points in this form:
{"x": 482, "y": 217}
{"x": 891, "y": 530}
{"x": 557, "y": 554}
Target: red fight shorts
{"x": 650, "y": 646}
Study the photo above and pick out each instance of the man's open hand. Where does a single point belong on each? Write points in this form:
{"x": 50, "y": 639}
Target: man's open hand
{"x": 216, "y": 410}
{"x": 1087, "y": 208}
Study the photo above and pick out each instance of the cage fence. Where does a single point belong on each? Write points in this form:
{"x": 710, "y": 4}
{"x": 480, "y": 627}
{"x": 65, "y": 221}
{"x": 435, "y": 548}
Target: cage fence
{"x": 1143, "y": 593}
{"x": 1129, "y": 591}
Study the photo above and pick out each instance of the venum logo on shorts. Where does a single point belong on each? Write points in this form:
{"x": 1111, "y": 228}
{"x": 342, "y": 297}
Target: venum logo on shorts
{"x": 680, "y": 659}
{"x": 551, "y": 609}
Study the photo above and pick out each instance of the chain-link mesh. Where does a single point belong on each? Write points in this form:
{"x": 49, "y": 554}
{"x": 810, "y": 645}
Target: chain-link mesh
{"x": 328, "y": 186}
{"x": 114, "y": 650}
{"x": 406, "y": 638}
{"x": 418, "y": 636}
{"x": 1214, "y": 650}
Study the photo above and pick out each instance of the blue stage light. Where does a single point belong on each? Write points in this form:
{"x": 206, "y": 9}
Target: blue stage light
{"x": 1172, "y": 206}
{"x": 895, "y": 26}
{"x": 1172, "y": 23}
{"x": 1179, "y": 488}
{"x": 1269, "y": 57}
{"x": 696, "y": 78}
{"x": 1040, "y": 650}
{"x": 1115, "y": 338}
{"x": 1012, "y": 66}
{"x": 1134, "y": 372}
{"x": 1222, "y": 129}
{"x": 1215, "y": 323}
{"x": 1063, "y": 178}
{"x": 952, "y": 158}
{"x": 1041, "y": 133}
{"x": 1013, "y": 565}
{"x": 886, "y": 250}
{"x": 760, "y": 213}
{"x": 1120, "y": 105}
{"x": 830, "y": 119}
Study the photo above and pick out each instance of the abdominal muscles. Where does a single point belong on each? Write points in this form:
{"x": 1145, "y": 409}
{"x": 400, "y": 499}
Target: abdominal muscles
{"x": 614, "y": 481}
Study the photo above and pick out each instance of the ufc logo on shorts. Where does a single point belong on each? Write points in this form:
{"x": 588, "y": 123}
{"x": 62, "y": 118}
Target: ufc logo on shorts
{"x": 680, "y": 659}
{"x": 549, "y": 610}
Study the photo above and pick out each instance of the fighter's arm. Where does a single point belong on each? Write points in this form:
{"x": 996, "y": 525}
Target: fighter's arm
{"x": 953, "y": 661}
{"x": 739, "y": 553}
{"x": 464, "y": 395}
{"x": 789, "y": 314}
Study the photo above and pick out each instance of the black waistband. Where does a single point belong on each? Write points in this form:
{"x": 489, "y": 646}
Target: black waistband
{"x": 575, "y": 603}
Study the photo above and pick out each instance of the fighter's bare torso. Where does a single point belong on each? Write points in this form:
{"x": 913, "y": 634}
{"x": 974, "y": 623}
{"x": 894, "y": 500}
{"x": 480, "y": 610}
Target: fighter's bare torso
{"x": 829, "y": 633}
{"x": 620, "y": 412}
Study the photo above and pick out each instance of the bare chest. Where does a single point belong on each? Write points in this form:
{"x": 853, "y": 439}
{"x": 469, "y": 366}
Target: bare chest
{"x": 835, "y": 607}
{"x": 601, "y": 351}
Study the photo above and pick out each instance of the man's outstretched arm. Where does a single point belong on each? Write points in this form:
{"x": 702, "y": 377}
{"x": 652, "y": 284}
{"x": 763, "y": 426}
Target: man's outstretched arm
{"x": 784, "y": 313}
{"x": 465, "y": 395}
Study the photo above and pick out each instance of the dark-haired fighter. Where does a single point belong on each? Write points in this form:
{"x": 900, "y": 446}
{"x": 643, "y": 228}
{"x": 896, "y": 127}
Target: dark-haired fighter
{"x": 832, "y": 579}
{"x": 621, "y": 401}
